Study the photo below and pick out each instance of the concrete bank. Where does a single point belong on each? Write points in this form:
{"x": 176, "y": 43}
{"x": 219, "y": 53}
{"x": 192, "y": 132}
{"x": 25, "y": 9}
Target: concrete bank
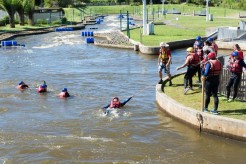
{"x": 11, "y": 35}
{"x": 206, "y": 122}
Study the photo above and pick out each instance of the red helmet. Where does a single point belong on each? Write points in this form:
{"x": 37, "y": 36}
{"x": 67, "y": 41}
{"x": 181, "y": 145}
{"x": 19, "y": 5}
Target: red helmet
{"x": 211, "y": 55}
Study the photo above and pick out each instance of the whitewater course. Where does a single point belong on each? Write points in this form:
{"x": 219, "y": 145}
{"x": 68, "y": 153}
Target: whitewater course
{"x": 42, "y": 128}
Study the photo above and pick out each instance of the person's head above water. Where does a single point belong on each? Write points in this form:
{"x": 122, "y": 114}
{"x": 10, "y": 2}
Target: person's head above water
{"x": 21, "y": 82}
{"x": 64, "y": 90}
{"x": 115, "y": 99}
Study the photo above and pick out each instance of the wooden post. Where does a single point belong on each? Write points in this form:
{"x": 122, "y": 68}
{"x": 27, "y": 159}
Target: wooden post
{"x": 202, "y": 104}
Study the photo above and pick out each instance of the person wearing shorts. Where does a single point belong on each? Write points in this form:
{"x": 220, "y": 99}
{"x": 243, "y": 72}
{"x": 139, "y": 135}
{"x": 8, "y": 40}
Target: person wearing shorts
{"x": 164, "y": 61}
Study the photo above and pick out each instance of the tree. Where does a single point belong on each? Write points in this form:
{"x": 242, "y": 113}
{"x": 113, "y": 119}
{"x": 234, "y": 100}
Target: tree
{"x": 20, "y": 11}
{"x": 10, "y": 7}
{"x": 29, "y": 7}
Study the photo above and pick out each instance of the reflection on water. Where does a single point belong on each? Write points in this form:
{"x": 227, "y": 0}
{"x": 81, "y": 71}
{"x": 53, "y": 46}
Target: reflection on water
{"x": 42, "y": 128}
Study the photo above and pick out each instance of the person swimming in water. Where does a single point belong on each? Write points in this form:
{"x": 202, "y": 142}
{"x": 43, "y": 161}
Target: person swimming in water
{"x": 64, "y": 93}
{"x": 42, "y": 88}
{"x": 115, "y": 103}
{"x": 22, "y": 86}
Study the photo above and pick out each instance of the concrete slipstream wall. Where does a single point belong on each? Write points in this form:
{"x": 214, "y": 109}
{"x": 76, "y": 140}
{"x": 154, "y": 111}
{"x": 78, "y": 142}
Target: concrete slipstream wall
{"x": 206, "y": 122}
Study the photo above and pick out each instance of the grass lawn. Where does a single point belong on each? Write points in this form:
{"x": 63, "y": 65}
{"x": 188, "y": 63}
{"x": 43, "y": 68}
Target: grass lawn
{"x": 192, "y": 99}
{"x": 181, "y": 27}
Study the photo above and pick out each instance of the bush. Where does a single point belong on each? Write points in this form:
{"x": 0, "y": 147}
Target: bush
{"x": 64, "y": 20}
{"x": 4, "y": 21}
{"x": 41, "y": 21}
{"x": 56, "y": 22}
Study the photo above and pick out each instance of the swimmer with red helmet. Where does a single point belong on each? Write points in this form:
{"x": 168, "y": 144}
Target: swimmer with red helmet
{"x": 42, "y": 88}
{"x": 115, "y": 103}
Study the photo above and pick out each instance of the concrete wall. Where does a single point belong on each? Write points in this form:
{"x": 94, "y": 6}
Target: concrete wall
{"x": 215, "y": 124}
{"x": 153, "y": 50}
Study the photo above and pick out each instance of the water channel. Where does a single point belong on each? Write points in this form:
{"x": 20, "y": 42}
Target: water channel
{"x": 42, "y": 128}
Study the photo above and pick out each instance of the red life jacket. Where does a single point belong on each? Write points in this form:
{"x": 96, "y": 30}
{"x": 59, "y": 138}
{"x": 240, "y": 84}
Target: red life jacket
{"x": 215, "y": 68}
{"x": 240, "y": 54}
{"x": 235, "y": 67}
{"x": 115, "y": 104}
{"x": 195, "y": 59}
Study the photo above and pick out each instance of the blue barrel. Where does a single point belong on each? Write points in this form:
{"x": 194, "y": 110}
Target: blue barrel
{"x": 9, "y": 43}
{"x": 83, "y": 33}
{"x": 86, "y": 33}
{"x": 88, "y": 40}
{"x": 92, "y": 34}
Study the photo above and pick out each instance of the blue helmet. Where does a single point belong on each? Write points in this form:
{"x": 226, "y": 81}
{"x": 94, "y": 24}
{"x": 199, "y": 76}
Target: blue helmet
{"x": 199, "y": 44}
{"x": 210, "y": 39}
{"x": 235, "y": 53}
{"x": 20, "y": 83}
{"x": 64, "y": 90}
{"x": 198, "y": 38}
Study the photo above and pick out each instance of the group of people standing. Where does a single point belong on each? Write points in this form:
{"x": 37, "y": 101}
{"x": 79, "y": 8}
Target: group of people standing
{"x": 202, "y": 59}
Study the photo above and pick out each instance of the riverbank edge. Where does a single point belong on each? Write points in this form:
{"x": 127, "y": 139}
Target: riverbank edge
{"x": 205, "y": 122}
{"x": 11, "y": 35}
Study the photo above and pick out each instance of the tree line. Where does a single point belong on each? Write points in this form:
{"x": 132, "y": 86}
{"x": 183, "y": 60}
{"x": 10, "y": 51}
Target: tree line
{"x": 26, "y": 7}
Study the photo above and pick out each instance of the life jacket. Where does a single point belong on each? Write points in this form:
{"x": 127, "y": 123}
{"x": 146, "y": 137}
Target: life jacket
{"x": 115, "y": 104}
{"x": 240, "y": 54}
{"x": 164, "y": 55}
{"x": 24, "y": 86}
{"x": 235, "y": 66}
{"x": 195, "y": 59}
{"x": 215, "y": 68}
{"x": 215, "y": 47}
{"x": 42, "y": 89}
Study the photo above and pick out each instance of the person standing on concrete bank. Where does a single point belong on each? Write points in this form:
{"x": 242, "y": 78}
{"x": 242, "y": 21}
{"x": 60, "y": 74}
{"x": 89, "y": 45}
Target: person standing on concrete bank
{"x": 214, "y": 45}
{"x": 237, "y": 48}
{"x": 198, "y": 41}
{"x": 192, "y": 62}
{"x": 235, "y": 66}
{"x": 211, "y": 76}
{"x": 164, "y": 61}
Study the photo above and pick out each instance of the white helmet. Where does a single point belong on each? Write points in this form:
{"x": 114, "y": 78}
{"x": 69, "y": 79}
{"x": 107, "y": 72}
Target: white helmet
{"x": 162, "y": 44}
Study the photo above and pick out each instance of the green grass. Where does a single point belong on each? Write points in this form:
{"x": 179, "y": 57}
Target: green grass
{"x": 193, "y": 98}
{"x": 21, "y": 28}
{"x": 186, "y": 27}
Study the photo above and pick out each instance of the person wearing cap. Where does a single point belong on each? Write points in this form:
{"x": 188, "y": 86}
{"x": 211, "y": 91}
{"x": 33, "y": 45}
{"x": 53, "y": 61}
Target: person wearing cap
{"x": 42, "y": 88}
{"x": 22, "y": 85}
{"x": 192, "y": 62}
{"x": 197, "y": 41}
{"x": 213, "y": 45}
{"x": 211, "y": 76}
{"x": 64, "y": 93}
{"x": 164, "y": 61}
{"x": 115, "y": 103}
{"x": 235, "y": 66}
